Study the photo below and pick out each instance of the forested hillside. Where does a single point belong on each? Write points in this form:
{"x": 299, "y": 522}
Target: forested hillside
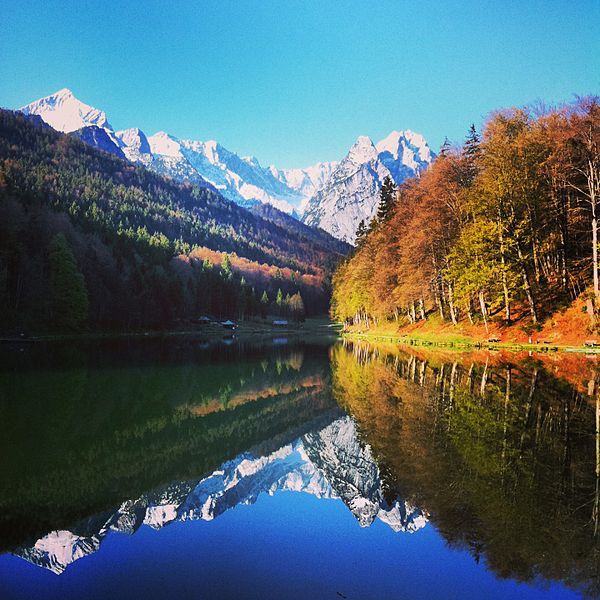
{"x": 90, "y": 240}
{"x": 504, "y": 228}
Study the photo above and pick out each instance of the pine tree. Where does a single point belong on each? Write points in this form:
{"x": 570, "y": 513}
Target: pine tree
{"x": 445, "y": 147}
{"x": 471, "y": 151}
{"x": 361, "y": 232}
{"x": 68, "y": 293}
{"x": 387, "y": 197}
{"x": 471, "y": 146}
{"x": 279, "y": 302}
{"x": 264, "y": 304}
{"x": 286, "y": 304}
{"x": 226, "y": 267}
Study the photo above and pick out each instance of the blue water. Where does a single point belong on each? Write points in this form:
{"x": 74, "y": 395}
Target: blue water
{"x": 100, "y": 440}
{"x": 290, "y": 545}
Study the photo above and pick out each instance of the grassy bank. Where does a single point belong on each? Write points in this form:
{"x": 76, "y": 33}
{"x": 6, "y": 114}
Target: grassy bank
{"x": 566, "y": 330}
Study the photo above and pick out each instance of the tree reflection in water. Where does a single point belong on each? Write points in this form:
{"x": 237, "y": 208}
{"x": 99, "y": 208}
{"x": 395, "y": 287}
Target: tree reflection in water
{"x": 503, "y": 454}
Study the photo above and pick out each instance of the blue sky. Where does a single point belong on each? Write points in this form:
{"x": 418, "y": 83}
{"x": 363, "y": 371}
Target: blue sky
{"x": 295, "y": 82}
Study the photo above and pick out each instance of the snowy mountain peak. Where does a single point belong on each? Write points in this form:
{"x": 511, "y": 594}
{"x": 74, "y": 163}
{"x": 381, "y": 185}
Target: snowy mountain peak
{"x": 335, "y": 196}
{"x": 251, "y": 160}
{"x": 134, "y": 139}
{"x": 391, "y": 142}
{"x": 64, "y": 93}
{"x": 351, "y": 194}
{"x": 398, "y": 142}
{"x": 362, "y": 151}
{"x": 135, "y": 145}
{"x": 305, "y": 182}
{"x": 64, "y": 112}
{"x": 164, "y": 144}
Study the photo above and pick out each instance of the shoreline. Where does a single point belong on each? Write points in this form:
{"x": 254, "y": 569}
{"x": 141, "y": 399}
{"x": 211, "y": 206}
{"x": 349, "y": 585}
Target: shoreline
{"x": 245, "y": 330}
{"x": 467, "y": 343}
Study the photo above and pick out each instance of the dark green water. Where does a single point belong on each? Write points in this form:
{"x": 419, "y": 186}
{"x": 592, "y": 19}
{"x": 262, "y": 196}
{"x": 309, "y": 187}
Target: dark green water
{"x": 174, "y": 468}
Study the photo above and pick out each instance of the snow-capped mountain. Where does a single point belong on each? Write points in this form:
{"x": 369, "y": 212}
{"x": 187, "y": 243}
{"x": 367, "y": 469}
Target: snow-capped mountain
{"x": 330, "y": 463}
{"x": 335, "y": 196}
{"x": 351, "y": 193}
{"x": 241, "y": 179}
{"x": 63, "y": 112}
{"x": 307, "y": 182}
{"x": 135, "y": 146}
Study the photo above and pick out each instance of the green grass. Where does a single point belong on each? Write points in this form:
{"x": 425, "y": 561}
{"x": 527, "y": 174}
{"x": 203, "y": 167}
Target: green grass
{"x": 461, "y": 341}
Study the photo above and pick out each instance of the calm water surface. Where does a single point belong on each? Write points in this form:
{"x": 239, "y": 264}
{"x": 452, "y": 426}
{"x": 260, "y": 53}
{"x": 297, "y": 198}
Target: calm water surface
{"x": 182, "y": 469}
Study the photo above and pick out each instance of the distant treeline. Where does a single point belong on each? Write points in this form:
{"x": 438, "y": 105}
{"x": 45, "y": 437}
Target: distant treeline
{"x": 508, "y": 221}
{"x": 90, "y": 240}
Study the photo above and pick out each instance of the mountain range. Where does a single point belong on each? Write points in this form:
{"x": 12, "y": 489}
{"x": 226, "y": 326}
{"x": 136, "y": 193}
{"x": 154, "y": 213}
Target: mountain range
{"x": 334, "y": 196}
{"x": 329, "y": 463}
{"x": 351, "y": 193}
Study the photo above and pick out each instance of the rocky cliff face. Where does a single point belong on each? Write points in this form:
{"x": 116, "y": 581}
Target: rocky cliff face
{"x": 330, "y": 463}
{"x": 97, "y": 137}
{"x": 351, "y": 193}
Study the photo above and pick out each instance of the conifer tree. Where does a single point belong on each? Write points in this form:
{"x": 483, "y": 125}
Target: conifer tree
{"x": 286, "y": 304}
{"x": 471, "y": 151}
{"x": 279, "y": 302}
{"x": 445, "y": 147}
{"x": 361, "y": 232}
{"x": 471, "y": 145}
{"x": 226, "y": 267}
{"x": 264, "y": 304}
{"x": 68, "y": 294}
{"x": 387, "y": 197}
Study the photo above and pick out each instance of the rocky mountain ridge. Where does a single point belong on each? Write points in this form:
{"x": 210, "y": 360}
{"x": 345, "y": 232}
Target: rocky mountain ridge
{"x": 334, "y": 196}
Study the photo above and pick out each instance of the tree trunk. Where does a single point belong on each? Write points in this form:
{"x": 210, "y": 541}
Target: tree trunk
{"x": 483, "y": 310}
{"x": 591, "y": 312}
{"x": 422, "y": 309}
{"x": 504, "y": 282}
{"x": 527, "y": 286}
{"x": 595, "y": 250}
{"x": 469, "y": 313}
{"x": 438, "y": 301}
{"x": 451, "y": 305}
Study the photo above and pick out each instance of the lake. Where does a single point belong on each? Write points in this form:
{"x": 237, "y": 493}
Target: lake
{"x": 179, "y": 468}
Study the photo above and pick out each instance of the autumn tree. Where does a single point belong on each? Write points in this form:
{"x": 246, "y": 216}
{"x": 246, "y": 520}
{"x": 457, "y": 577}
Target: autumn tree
{"x": 508, "y": 221}
{"x": 585, "y": 144}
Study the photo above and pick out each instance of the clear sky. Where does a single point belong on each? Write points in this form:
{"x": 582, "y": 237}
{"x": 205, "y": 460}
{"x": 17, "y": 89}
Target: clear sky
{"x": 295, "y": 82}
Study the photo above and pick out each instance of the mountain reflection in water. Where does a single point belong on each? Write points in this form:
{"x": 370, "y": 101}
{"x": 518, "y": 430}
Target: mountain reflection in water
{"x": 500, "y": 453}
{"x": 328, "y": 463}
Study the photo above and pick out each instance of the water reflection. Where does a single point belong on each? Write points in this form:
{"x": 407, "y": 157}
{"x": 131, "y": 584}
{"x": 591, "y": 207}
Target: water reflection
{"x": 327, "y": 463}
{"x": 83, "y": 430}
{"x": 499, "y": 451}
